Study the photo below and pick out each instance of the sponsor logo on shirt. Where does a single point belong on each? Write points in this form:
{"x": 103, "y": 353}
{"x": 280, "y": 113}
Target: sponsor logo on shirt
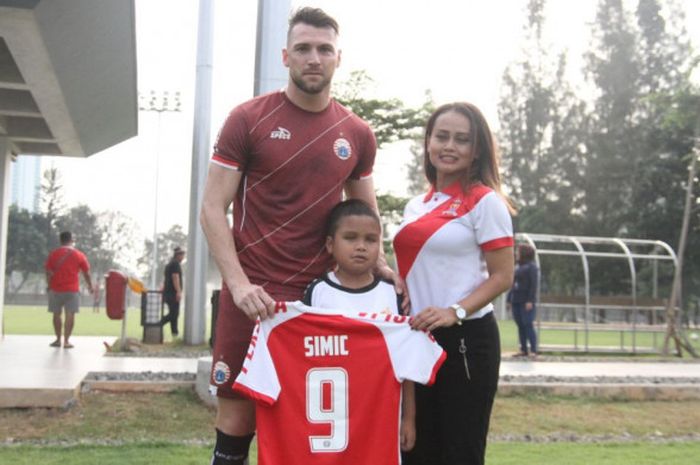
{"x": 342, "y": 148}
{"x": 281, "y": 133}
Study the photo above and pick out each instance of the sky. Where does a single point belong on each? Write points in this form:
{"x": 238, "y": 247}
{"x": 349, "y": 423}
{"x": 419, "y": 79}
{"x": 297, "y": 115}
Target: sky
{"x": 457, "y": 49}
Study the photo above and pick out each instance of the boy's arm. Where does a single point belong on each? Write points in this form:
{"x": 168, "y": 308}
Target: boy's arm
{"x": 408, "y": 415}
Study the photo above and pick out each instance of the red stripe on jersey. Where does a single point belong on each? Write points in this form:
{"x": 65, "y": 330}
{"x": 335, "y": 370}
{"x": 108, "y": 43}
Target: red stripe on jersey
{"x": 496, "y": 244}
{"x": 414, "y": 235}
{"x": 225, "y": 162}
{"x": 245, "y": 390}
{"x": 436, "y": 368}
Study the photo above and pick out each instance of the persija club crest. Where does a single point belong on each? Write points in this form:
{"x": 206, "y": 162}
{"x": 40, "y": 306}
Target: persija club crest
{"x": 342, "y": 148}
{"x": 221, "y": 372}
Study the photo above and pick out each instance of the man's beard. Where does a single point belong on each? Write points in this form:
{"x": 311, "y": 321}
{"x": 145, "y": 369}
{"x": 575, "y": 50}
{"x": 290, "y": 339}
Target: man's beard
{"x": 311, "y": 89}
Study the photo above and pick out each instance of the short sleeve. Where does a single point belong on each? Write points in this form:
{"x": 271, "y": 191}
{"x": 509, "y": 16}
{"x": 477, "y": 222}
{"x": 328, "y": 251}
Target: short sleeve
{"x": 415, "y": 355}
{"x": 493, "y": 225}
{"x": 258, "y": 378}
{"x": 367, "y": 148}
{"x": 231, "y": 148}
{"x": 84, "y": 264}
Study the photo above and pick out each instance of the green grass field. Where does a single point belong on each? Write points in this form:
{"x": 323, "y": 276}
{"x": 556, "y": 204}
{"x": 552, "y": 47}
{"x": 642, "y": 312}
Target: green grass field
{"x": 160, "y": 429}
{"x": 36, "y": 320}
{"x": 634, "y": 453}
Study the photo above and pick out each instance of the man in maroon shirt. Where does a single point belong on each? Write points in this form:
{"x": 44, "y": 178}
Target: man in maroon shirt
{"x": 284, "y": 160}
{"x": 62, "y": 268}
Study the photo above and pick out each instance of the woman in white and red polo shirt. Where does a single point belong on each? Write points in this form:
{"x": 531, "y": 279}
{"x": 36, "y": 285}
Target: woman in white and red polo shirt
{"x": 455, "y": 251}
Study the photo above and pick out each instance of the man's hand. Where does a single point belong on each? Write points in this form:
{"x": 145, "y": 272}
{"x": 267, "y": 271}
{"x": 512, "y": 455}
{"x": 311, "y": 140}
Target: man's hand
{"x": 253, "y": 301}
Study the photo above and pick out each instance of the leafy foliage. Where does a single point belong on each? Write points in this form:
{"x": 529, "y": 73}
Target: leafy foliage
{"x": 616, "y": 164}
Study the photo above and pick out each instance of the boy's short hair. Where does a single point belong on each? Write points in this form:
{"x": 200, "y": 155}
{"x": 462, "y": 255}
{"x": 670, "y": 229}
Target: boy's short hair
{"x": 349, "y": 207}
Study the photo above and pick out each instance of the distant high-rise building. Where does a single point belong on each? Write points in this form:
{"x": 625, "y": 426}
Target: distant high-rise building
{"x": 26, "y": 182}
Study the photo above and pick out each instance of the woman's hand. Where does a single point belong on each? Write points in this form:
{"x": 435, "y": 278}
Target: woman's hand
{"x": 431, "y": 318}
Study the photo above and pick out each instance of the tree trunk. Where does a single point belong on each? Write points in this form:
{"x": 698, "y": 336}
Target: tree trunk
{"x": 674, "y": 328}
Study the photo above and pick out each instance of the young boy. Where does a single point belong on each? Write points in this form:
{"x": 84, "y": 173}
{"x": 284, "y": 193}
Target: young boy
{"x": 353, "y": 238}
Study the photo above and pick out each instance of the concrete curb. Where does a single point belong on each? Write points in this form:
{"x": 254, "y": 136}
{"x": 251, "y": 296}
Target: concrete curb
{"x": 136, "y": 386}
{"x": 604, "y": 391}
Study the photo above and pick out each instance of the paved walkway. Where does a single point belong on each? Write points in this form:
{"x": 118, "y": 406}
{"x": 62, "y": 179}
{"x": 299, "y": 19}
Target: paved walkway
{"x": 33, "y": 374}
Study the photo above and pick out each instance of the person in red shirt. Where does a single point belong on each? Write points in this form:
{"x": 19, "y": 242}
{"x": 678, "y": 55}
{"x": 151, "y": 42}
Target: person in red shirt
{"x": 62, "y": 268}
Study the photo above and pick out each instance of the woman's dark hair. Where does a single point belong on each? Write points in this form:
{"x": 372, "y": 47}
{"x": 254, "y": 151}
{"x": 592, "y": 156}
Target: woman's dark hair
{"x": 350, "y": 207}
{"x": 485, "y": 166}
{"x": 526, "y": 253}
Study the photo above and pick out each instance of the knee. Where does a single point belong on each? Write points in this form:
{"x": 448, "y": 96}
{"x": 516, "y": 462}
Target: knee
{"x": 235, "y": 417}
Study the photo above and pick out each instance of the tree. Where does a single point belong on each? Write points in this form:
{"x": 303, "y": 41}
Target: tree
{"x": 26, "y": 246}
{"x": 52, "y": 203}
{"x": 390, "y": 119}
{"x": 119, "y": 236}
{"x": 391, "y": 211}
{"x": 542, "y": 129}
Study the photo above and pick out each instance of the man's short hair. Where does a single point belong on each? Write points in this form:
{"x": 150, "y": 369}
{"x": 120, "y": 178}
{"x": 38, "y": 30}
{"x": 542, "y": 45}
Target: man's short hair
{"x": 313, "y": 17}
{"x": 65, "y": 237}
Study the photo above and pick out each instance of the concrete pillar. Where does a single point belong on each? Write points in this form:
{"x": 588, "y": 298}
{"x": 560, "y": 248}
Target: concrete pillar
{"x": 270, "y": 73}
{"x": 197, "y": 250}
{"x": 5, "y": 183}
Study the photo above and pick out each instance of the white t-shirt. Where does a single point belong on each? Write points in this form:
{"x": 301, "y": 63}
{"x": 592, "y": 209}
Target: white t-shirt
{"x": 328, "y": 383}
{"x": 328, "y": 292}
{"x": 440, "y": 243}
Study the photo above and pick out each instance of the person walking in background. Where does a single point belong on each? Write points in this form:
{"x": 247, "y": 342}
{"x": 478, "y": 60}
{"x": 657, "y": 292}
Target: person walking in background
{"x": 522, "y": 298}
{"x": 454, "y": 248}
{"x": 172, "y": 289}
{"x": 62, "y": 267}
{"x": 276, "y": 245}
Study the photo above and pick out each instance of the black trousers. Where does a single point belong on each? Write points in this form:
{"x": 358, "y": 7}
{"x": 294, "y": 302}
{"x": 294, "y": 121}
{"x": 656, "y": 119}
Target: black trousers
{"x": 173, "y": 314}
{"x": 452, "y": 416}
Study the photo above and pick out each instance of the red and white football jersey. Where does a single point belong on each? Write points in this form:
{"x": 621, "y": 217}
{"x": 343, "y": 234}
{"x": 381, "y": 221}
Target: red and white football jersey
{"x": 328, "y": 384}
{"x": 440, "y": 243}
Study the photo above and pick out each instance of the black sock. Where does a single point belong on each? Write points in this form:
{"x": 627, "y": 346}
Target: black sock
{"x": 231, "y": 450}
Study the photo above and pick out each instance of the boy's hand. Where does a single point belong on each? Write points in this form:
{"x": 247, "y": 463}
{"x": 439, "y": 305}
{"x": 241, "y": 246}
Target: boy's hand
{"x": 407, "y": 434}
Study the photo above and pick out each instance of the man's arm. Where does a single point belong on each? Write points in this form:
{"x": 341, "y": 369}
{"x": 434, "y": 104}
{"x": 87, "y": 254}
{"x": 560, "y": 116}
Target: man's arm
{"x": 88, "y": 280}
{"x": 363, "y": 189}
{"x": 219, "y": 191}
{"x": 178, "y": 287}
